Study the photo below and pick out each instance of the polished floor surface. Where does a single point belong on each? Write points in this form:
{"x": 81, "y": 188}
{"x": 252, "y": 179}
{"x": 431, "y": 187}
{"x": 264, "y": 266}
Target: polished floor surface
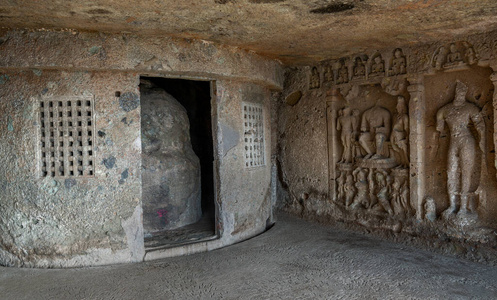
{"x": 294, "y": 260}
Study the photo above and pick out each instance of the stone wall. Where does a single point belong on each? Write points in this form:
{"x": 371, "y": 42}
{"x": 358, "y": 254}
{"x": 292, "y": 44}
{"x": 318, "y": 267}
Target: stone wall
{"x": 50, "y": 219}
{"x": 396, "y": 141}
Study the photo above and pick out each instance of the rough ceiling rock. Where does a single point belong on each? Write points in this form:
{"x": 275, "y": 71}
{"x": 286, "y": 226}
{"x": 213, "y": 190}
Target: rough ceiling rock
{"x": 294, "y": 31}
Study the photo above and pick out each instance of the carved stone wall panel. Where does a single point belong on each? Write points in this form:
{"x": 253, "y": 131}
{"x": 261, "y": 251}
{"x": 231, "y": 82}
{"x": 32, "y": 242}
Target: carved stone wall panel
{"x": 370, "y": 150}
{"x": 437, "y": 181}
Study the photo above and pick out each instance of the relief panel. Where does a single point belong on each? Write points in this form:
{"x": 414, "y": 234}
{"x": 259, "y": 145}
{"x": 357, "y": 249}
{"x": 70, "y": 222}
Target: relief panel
{"x": 372, "y": 130}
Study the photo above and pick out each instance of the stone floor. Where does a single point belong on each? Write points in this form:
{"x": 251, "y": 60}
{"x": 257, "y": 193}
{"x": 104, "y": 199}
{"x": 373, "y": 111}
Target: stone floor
{"x": 293, "y": 260}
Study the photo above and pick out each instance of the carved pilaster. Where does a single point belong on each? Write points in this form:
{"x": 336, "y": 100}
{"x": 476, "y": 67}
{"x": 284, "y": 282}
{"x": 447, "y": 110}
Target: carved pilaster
{"x": 331, "y": 117}
{"x": 417, "y": 123}
{"x": 493, "y": 78}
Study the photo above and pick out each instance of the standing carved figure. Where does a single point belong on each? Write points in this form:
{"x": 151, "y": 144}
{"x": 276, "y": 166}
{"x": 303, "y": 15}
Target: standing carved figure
{"x": 397, "y": 204}
{"x": 375, "y": 131}
{"x": 439, "y": 58}
{"x": 362, "y": 198}
{"x": 400, "y": 132}
{"x": 459, "y": 115}
{"x": 349, "y": 190}
{"x": 314, "y": 80}
{"x": 341, "y": 187}
{"x": 470, "y": 54}
{"x": 347, "y": 124}
{"x": 383, "y": 182}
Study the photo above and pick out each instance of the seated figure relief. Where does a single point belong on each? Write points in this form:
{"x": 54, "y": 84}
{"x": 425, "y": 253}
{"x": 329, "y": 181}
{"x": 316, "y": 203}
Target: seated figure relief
{"x": 375, "y": 131}
{"x": 359, "y": 68}
{"x": 378, "y": 66}
{"x": 399, "y": 63}
{"x": 454, "y": 57}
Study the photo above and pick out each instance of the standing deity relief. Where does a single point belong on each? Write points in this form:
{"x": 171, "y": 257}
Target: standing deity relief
{"x": 458, "y": 117}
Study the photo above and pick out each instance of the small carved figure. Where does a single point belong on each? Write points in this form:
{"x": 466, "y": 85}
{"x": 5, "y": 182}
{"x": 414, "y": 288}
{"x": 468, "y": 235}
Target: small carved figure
{"x": 359, "y": 68}
{"x": 314, "y": 80}
{"x": 439, "y": 58}
{"x": 397, "y": 205}
{"x": 430, "y": 209}
{"x": 349, "y": 190}
{"x": 404, "y": 198}
{"x": 400, "y": 132}
{"x": 398, "y": 63}
{"x": 454, "y": 56}
{"x": 470, "y": 54}
{"x": 383, "y": 183}
{"x": 328, "y": 74}
{"x": 394, "y": 86}
{"x": 361, "y": 199}
{"x": 356, "y": 147}
{"x": 459, "y": 114}
{"x": 341, "y": 187}
{"x": 343, "y": 74}
{"x": 375, "y": 131}
{"x": 347, "y": 124}
{"x": 378, "y": 66}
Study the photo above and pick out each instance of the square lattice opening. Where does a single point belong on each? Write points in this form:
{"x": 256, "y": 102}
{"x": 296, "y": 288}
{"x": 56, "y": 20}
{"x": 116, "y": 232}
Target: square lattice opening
{"x": 253, "y": 118}
{"x": 65, "y": 139}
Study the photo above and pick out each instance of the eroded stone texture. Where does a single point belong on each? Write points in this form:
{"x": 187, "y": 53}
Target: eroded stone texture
{"x": 171, "y": 170}
{"x": 410, "y": 141}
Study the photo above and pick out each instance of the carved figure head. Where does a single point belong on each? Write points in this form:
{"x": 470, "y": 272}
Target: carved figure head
{"x": 377, "y": 59}
{"x": 346, "y": 110}
{"x": 401, "y": 105}
{"x": 453, "y": 48}
{"x": 355, "y": 112}
{"x": 398, "y": 53}
{"x": 461, "y": 91}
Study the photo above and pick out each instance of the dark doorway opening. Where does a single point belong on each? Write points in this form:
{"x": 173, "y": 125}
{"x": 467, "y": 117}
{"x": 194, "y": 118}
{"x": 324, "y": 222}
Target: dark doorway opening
{"x": 166, "y": 153}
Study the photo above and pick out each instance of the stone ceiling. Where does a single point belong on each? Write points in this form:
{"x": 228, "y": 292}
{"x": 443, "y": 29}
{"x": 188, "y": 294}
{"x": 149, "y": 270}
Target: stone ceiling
{"x": 294, "y": 31}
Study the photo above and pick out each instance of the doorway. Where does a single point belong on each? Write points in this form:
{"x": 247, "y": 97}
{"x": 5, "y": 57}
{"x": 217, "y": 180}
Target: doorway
{"x": 177, "y": 162}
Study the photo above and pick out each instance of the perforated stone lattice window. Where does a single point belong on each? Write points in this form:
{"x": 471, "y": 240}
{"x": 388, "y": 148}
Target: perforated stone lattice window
{"x": 66, "y": 137}
{"x": 253, "y": 118}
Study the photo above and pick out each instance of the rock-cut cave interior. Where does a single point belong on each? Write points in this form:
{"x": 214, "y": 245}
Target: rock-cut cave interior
{"x": 248, "y": 149}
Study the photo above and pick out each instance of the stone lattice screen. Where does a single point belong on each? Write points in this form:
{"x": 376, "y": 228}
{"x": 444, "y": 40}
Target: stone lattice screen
{"x": 253, "y": 118}
{"x": 66, "y": 137}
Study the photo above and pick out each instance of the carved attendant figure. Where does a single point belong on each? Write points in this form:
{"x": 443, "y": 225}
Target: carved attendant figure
{"x": 439, "y": 58}
{"x": 400, "y": 132}
{"x": 375, "y": 130}
{"x": 361, "y": 199}
{"x": 349, "y": 190}
{"x": 347, "y": 124}
{"x": 462, "y": 148}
